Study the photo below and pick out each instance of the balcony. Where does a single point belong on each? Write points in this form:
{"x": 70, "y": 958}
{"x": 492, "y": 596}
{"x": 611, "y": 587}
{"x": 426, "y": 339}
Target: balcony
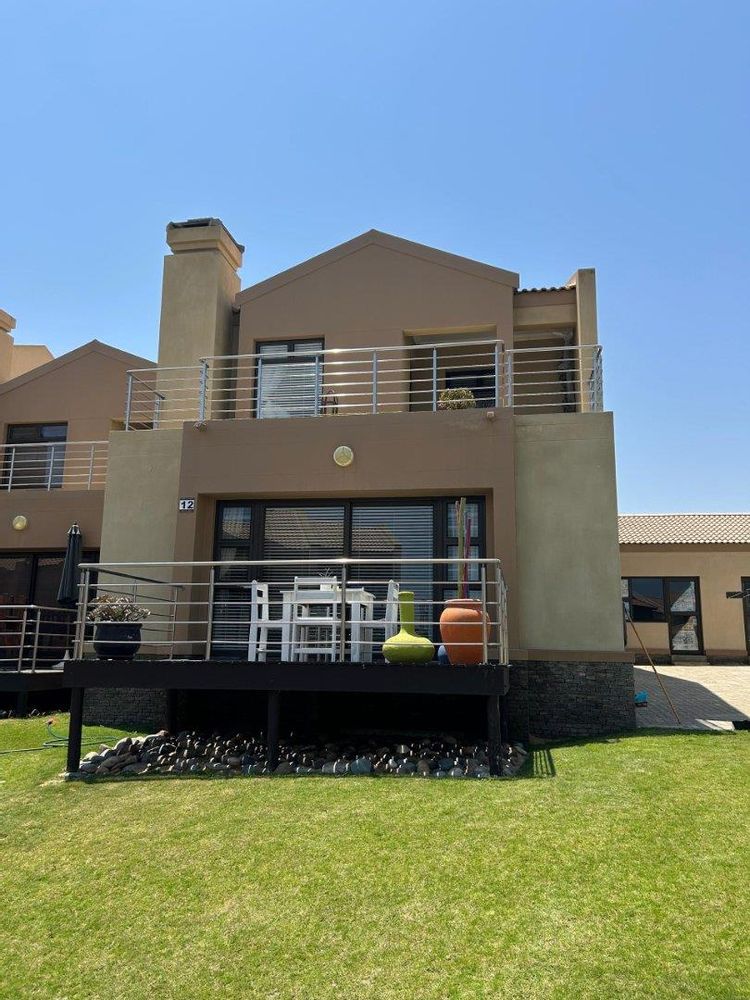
{"x": 335, "y": 610}
{"x": 339, "y": 382}
{"x": 65, "y": 465}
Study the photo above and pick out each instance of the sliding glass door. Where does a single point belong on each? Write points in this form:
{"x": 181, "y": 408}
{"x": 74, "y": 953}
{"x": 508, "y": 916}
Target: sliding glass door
{"x": 418, "y": 529}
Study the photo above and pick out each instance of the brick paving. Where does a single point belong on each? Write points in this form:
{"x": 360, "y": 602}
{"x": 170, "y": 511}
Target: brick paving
{"x": 706, "y": 697}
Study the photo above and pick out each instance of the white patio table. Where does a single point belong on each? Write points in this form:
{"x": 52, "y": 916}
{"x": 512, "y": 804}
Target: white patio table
{"x": 359, "y": 603}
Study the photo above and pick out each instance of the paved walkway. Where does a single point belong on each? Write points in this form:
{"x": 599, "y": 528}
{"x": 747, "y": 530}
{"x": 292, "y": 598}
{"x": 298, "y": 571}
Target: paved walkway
{"x": 706, "y": 697}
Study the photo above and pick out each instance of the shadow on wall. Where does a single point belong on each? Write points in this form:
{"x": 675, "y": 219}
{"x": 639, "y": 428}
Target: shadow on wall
{"x": 692, "y": 699}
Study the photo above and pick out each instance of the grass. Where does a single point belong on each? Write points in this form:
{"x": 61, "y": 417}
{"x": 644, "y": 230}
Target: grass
{"x": 624, "y": 875}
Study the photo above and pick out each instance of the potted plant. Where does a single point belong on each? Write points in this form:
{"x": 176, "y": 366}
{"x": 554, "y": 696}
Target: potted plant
{"x": 117, "y": 620}
{"x": 456, "y": 399}
{"x": 462, "y": 622}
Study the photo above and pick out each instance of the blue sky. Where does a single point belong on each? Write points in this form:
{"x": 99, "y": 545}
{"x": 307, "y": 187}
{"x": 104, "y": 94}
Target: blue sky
{"x": 537, "y": 136}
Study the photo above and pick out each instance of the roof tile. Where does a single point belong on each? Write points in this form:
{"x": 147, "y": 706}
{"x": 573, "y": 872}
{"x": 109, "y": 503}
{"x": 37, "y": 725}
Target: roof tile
{"x": 684, "y": 529}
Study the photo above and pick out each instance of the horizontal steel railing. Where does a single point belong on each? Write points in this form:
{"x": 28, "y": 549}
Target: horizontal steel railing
{"x": 72, "y": 465}
{"x": 215, "y": 609}
{"x": 33, "y": 636}
{"x": 341, "y": 381}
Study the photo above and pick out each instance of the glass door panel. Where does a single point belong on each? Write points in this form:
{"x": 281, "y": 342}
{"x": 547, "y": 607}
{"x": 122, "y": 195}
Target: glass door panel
{"x": 684, "y": 624}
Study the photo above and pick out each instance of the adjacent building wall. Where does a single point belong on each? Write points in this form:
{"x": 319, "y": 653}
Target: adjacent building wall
{"x": 720, "y": 569}
{"x": 86, "y": 390}
{"x": 566, "y": 522}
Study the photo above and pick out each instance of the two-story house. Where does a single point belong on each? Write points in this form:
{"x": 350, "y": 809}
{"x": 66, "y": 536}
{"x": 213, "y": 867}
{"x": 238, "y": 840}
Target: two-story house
{"x": 337, "y": 411}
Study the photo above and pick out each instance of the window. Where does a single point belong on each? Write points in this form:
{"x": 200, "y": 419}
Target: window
{"x": 365, "y": 529}
{"x": 34, "y": 578}
{"x": 672, "y": 600}
{"x": 35, "y": 458}
{"x": 646, "y": 599}
{"x": 481, "y": 382}
{"x": 289, "y": 378}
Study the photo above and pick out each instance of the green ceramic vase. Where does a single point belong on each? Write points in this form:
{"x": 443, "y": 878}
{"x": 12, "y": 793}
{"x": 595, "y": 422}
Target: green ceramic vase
{"x": 406, "y": 646}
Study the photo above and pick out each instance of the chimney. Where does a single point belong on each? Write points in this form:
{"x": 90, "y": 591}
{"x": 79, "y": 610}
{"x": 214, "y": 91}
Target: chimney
{"x": 198, "y": 290}
{"x": 7, "y": 323}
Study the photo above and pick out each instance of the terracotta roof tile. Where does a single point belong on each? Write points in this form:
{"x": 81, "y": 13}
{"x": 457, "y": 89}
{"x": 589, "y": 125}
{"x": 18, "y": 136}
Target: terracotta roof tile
{"x": 684, "y": 529}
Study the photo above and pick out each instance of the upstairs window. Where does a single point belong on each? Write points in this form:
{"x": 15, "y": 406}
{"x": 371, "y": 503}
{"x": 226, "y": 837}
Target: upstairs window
{"x": 289, "y": 378}
{"x": 34, "y": 456}
{"x": 481, "y": 382}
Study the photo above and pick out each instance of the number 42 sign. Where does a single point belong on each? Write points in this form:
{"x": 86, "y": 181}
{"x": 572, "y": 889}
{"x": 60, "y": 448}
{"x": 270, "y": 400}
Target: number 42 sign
{"x": 187, "y": 503}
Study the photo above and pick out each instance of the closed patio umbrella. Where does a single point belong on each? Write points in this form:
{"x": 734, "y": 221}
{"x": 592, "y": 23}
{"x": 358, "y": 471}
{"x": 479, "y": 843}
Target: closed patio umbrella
{"x": 67, "y": 594}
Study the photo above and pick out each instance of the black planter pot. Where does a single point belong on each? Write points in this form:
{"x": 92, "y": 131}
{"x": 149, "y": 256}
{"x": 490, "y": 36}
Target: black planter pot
{"x": 117, "y": 640}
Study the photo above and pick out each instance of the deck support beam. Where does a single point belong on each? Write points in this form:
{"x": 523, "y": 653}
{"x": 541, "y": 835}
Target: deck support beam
{"x": 494, "y": 733}
{"x": 272, "y": 733}
{"x": 75, "y": 728}
{"x": 172, "y": 703}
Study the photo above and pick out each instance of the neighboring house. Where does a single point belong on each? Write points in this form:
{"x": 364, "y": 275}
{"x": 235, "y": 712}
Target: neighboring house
{"x": 256, "y": 389}
{"x": 678, "y": 571}
{"x": 17, "y": 359}
{"x": 55, "y": 422}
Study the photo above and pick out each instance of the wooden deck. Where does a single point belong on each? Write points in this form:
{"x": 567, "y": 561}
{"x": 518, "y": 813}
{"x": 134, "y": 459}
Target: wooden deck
{"x": 489, "y": 680}
{"x": 25, "y": 680}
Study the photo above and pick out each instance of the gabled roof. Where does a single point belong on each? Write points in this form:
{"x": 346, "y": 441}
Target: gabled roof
{"x": 92, "y": 347}
{"x": 395, "y": 243}
{"x": 684, "y": 529}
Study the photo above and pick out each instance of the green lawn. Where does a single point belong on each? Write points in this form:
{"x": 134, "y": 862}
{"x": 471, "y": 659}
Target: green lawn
{"x": 623, "y": 875}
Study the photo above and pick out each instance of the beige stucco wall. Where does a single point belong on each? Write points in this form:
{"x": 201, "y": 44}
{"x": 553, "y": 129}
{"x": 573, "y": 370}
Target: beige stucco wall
{"x": 49, "y": 515}
{"x": 86, "y": 390}
{"x": 369, "y": 298}
{"x": 720, "y": 568}
{"x": 196, "y": 313}
{"x": 140, "y": 500}
{"x": 566, "y": 518}
{"x": 27, "y": 357}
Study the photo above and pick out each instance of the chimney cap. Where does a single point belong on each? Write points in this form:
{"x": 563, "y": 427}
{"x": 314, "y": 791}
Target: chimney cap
{"x": 7, "y": 322}
{"x": 204, "y": 234}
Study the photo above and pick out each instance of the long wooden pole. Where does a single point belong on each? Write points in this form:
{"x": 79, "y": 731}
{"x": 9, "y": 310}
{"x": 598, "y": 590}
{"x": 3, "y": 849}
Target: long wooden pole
{"x": 653, "y": 667}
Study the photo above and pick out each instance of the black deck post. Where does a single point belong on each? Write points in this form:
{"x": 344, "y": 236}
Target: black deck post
{"x": 22, "y": 703}
{"x": 74, "y": 729}
{"x": 171, "y": 720}
{"x": 272, "y": 734}
{"x": 494, "y": 734}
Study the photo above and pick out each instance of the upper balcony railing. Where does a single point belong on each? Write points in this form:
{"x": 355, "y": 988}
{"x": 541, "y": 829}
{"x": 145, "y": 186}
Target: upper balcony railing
{"x": 343, "y": 381}
{"x": 67, "y": 465}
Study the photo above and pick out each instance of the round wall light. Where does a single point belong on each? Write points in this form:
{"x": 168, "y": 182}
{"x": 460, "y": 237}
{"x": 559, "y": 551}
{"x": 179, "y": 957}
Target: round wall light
{"x": 343, "y": 456}
{"x": 20, "y": 523}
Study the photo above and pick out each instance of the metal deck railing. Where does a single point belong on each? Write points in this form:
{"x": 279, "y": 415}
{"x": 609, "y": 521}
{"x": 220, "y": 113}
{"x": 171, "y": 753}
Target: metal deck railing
{"x": 252, "y": 610}
{"x": 70, "y": 465}
{"x": 34, "y": 637}
{"x": 338, "y": 381}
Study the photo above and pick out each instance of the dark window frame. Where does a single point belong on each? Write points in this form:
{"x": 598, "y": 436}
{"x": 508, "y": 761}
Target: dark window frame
{"x": 440, "y": 541}
{"x": 668, "y": 614}
{"x": 287, "y": 357}
{"x": 47, "y": 476}
{"x": 88, "y": 555}
{"x": 453, "y": 377}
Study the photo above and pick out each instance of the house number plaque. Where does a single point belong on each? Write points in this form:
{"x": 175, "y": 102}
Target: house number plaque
{"x": 187, "y": 503}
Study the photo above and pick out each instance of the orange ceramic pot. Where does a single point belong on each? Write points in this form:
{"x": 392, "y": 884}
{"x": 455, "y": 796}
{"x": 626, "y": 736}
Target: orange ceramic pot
{"x": 461, "y": 631}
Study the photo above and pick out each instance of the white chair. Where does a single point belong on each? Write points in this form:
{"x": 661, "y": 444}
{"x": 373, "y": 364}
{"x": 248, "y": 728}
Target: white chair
{"x": 260, "y": 622}
{"x": 388, "y": 623}
{"x": 315, "y": 634}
